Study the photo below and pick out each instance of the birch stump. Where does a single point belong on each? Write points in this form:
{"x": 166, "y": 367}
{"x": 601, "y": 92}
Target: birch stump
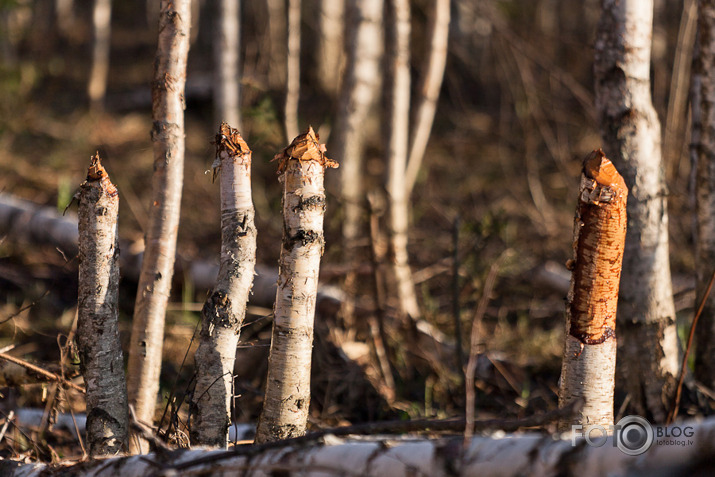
{"x": 225, "y": 309}
{"x": 285, "y": 408}
{"x": 589, "y": 361}
{"x": 100, "y": 351}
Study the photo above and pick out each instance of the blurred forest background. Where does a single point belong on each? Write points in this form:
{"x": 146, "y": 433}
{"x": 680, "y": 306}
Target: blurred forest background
{"x": 514, "y": 120}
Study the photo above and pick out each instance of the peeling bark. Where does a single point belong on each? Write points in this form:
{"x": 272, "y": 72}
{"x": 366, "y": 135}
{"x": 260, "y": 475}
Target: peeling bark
{"x": 225, "y": 309}
{"x": 285, "y": 408}
{"x": 704, "y": 169}
{"x": 631, "y": 134}
{"x": 158, "y": 266}
{"x": 100, "y": 351}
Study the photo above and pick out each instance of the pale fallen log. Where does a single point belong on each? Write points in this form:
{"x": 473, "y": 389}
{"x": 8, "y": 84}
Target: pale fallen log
{"x": 498, "y": 455}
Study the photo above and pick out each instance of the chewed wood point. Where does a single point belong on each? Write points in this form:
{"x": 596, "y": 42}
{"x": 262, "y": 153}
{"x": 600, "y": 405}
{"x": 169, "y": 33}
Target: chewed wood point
{"x": 97, "y": 172}
{"x": 305, "y": 147}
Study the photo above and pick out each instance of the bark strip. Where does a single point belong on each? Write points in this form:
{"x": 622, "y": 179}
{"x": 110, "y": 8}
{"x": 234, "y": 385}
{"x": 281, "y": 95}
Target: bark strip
{"x": 589, "y": 361}
{"x": 100, "y": 351}
{"x": 285, "y": 409}
{"x": 225, "y": 309}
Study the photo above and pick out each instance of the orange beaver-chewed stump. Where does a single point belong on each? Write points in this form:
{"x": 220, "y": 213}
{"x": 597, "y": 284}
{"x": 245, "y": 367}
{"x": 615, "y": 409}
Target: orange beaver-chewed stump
{"x": 305, "y": 147}
{"x": 599, "y": 240}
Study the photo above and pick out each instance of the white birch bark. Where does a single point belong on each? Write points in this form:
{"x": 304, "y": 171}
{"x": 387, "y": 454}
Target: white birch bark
{"x": 330, "y": 44}
{"x": 293, "y": 69}
{"x": 631, "y": 134}
{"x": 225, "y": 309}
{"x": 101, "y": 27}
{"x": 510, "y": 455}
{"x": 287, "y": 399}
{"x": 705, "y": 194}
{"x": 359, "y": 91}
{"x": 398, "y": 51}
{"x": 226, "y": 50}
{"x": 100, "y": 351}
{"x": 430, "y": 85}
{"x": 158, "y": 265}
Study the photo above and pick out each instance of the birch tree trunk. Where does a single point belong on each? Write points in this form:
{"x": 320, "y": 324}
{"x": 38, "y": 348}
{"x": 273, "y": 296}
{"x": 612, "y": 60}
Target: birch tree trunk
{"x": 513, "y": 455}
{"x": 225, "y": 309}
{"x": 359, "y": 91}
{"x": 330, "y": 44}
{"x": 226, "y": 50}
{"x": 705, "y": 194}
{"x": 428, "y": 90}
{"x": 158, "y": 266}
{"x": 631, "y": 136}
{"x": 101, "y": 27}
{"x": 293, "y": 69}
{"x": 285, "y": 407}
{"x": 589, "y": 362}
{"x": 398, "y": 60}
{"x": 277, "y": 29}
{"x": 100, "y": 351}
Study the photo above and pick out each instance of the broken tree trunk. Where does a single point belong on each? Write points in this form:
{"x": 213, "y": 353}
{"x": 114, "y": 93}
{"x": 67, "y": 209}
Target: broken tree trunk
{"x": 158, "y": 266}
{"x": 704, "y": 171}
{"x": 285, "y": 408}
{"x": 225, "y": 309}
{"x": 632, "y": 140}
{"x": 589, "y": 361}
{"x": 100, "y": 351}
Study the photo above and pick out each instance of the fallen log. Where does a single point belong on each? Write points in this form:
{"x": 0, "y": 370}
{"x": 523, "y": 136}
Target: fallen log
{"x": 497, "y": 455}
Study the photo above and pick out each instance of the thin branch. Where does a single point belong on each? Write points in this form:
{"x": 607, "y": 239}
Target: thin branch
{"x": 42, "y": 372}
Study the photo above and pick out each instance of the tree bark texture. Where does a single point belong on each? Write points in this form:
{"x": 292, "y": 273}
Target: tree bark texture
{"x": 225, "y": 309}
{"x": 705, "y": 192}
{"x": 158, "y": 266}
{"x": 512, "y": 455}
{"x": 293, "y": 69}
{"x": 330, "y": 44}
{"x": 226, "y": 50}
{"x": 287, "y": 400}
{"x": 101, "y": 26}
{"x": 100, "y": 350}
{"x": 631, "y": 136}
{"x": 398, "y": 60}
{"x": 589, "y": 361}
{"x": 428, "y": 90}
{"x": 359, "y": 91}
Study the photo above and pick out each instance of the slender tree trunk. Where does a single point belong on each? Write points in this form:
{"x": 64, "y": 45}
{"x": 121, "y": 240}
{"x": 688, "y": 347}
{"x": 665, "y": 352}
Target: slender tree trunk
{"x": 293, "y": 69}
{"x": 277, "y": 28}
{"x": 64, "y": 11}
{"x": 429, "y": 87}
{"x": 589, "y": 361}
{"x": 158, "y": 266}
{"x": 705, "y": 193}
{"x": 100, "y": 351}
{"x": 330, "y": 44}
{"x": 285, "y": 407}
{"x": 398, "y": 51}
{"x": 226, "y": 48}
{"x": 359, "y": 91}
{"x": 225, "y": 309}
{"x": 101, "y": 26}
{"x": 631, "y": 136}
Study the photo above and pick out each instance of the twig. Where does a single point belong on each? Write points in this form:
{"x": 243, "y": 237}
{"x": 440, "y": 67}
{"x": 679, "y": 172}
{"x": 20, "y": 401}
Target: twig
{"x": 389, "y": 427}
{"x": 456, "y": 312}
{"x": 146, "y": 432}
{"x": 676, "y": 402}
{"x": 10, "y": 417}
{"x": 47, "y": 374}
{"x": 472, "y": 363}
